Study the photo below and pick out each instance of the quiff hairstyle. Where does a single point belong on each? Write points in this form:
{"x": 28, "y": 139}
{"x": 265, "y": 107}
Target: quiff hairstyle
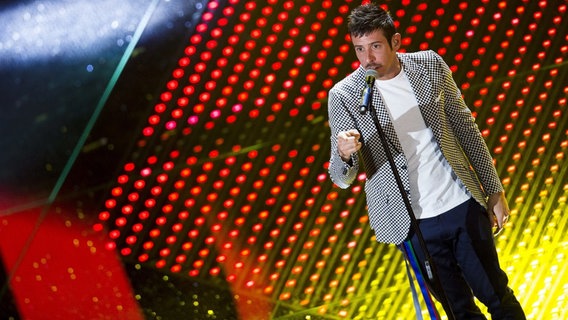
{"x": 369, "y": 17}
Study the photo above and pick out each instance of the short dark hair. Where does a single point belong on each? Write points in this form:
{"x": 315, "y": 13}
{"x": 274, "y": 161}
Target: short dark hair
{"x": 369, "y": 17}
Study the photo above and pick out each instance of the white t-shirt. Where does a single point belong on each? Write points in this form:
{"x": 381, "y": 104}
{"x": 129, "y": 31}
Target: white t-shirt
{"x": 434, "y": 187}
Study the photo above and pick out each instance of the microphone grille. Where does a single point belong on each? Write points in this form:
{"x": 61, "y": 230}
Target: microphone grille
{"x": 371, "y": 75}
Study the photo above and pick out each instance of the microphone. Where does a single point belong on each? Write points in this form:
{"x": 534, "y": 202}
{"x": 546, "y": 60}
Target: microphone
{"x": 370, "y": 76}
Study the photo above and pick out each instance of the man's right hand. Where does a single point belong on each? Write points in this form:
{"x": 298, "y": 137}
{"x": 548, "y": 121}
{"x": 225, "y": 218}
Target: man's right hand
{"x": 348, "y": 143}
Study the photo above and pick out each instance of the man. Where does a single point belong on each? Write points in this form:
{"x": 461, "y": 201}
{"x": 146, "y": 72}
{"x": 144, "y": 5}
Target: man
{"x": 444, "y": 164}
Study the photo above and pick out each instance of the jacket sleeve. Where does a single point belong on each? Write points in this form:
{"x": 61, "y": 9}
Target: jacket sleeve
{"x": 468, "y": 135}
{"x": 341, "y": 173}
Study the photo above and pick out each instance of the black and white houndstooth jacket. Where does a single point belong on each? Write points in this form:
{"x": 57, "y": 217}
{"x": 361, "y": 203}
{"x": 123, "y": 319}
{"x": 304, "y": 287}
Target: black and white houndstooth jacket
{"x": 444, "y": 112}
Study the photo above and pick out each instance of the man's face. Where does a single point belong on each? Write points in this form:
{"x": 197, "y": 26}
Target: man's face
{"x": 374, "y": 52}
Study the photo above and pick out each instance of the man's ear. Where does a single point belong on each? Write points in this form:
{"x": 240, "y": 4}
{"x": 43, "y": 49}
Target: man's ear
{"x": 396, "y": 41}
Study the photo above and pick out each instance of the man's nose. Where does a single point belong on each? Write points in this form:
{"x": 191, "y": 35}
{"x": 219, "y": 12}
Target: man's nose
{"x": 369, "y": 57}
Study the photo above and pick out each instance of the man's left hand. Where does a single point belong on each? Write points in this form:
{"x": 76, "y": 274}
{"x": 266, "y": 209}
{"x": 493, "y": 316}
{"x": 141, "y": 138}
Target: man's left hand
{"x": 498, "y": 208}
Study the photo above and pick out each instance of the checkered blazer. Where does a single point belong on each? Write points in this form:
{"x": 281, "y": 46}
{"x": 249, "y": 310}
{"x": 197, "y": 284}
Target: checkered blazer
{"x": 444, "y": 112}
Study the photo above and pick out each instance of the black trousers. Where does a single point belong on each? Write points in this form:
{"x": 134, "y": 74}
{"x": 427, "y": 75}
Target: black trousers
{"x": 461, "y": 245}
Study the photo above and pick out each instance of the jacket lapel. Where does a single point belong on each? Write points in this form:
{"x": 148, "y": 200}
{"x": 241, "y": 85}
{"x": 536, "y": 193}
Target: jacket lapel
{"x": 422, "y": 86}
{"x": 382, "y": 114}
{"x": 385, "y": 121}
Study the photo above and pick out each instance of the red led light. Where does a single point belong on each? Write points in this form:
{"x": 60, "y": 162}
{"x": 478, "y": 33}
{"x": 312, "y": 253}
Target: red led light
{"x": 190, "y": 50}
{"x": 172, "y": 85}
{"x": 131, "y": 240}
{"x": 114, "y": 234}
{"x": 152, "y": 160}
{"x": 137, "y": 227}
{"x": 207, "y": 16}
{"x": 195, "y": 39}
{"x": 148, "y": 245}
{"x": 127, "y": 209}
{"x": 165, "y": 252}
{"x": 288, "y": 5}
{"x": 103, "y": 216}
{"x": 111, "y": 203}
{"x": 216, "y": 33}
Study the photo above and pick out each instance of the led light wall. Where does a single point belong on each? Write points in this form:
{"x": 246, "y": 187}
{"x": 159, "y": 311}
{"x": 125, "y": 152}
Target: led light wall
{"x": 228, "y": 181}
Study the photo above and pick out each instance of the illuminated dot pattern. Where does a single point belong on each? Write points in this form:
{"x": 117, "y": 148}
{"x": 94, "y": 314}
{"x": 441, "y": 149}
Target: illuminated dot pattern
{"x": 229, "y": 180}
